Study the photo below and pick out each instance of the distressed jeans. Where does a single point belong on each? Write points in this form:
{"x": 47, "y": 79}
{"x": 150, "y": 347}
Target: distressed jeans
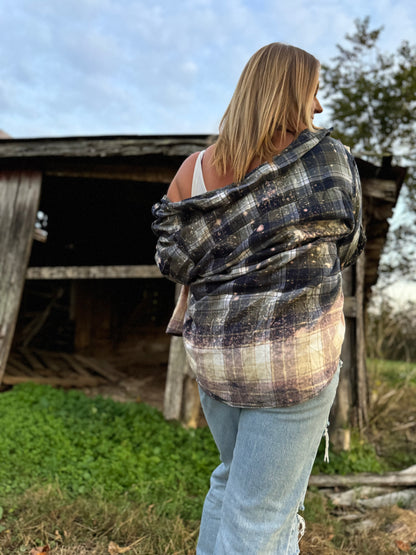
{"x": 266, "y": 459}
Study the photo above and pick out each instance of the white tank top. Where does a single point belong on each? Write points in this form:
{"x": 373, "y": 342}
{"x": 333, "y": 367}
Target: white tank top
{"x": 198, "y": 183}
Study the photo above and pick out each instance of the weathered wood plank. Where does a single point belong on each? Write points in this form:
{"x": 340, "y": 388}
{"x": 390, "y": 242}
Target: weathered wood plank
{"x": 19, "y": 199}
{"x": 175, "y": 379}
{"x": 18, "y": 364}
{"x": 93, "y": 272}
{"x": 388, "y": 479}
{"x": 383, "y": 189}
{"x": 74, "y": 364}
{"x": 50, "y": 360}
{"x": 362, "y": 384}
{"x": 74, "y": 381}
{"x": 15, "y": 369}
{"x": 31, "y": 359}
{"x": 344, "y": 400}
{"x": 142, "y": 174}
{"x": 102, "y": 147}
{"x": 101, "y": 367}
{"x": 57, "y": 368}
{"x": 191, "y": 405}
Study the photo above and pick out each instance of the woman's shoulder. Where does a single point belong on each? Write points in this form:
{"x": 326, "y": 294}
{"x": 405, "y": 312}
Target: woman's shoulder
{"x": 181, "y": 185}
{"x": 335, "y": 149}
{"x": 336, "y": 144}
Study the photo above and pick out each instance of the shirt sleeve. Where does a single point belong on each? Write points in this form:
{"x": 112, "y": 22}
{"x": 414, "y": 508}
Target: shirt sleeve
{"x": 172, "y": 256}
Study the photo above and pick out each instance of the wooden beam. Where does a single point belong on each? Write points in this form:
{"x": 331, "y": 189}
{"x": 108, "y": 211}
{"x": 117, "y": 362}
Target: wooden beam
{"x": 103, "y": 147}
{"x": 101, "y": 367}
{"x": 132, "y": 172}
{"x": 93, "y": 272}
{"x": 19, "y": 199}
{"x": 393, "y": 479}
{"x": 362, "y": 384}
{"x": 78, "y": 381}
{"x": 383, "y": 189}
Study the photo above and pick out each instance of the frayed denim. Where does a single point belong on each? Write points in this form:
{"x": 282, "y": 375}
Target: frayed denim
{"x": 266, "y": 459}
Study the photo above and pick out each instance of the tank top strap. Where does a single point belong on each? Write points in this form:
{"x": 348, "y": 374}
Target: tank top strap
{"x": 198, "y": 183}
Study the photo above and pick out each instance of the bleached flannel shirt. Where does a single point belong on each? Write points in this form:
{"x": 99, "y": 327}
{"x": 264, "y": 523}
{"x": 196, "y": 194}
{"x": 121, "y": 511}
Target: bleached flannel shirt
{"x": 264, "y": 325}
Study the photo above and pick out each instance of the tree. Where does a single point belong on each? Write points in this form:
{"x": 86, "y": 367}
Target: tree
{"x": 372, "y": 98}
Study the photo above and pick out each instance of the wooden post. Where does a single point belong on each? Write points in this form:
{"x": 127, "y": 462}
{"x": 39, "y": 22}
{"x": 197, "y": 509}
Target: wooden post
{"x": 177, "y": 370}
{"x": 341, "y": 415}
{"x": 362, "y": 381}
{"x": 350, "y": 407}
{"x": 19, "y": 200}
{"x": 181, "y": 401}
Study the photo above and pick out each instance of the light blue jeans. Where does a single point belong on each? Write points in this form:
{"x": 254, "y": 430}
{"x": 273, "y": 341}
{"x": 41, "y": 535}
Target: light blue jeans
{"x": 266, "y": 459}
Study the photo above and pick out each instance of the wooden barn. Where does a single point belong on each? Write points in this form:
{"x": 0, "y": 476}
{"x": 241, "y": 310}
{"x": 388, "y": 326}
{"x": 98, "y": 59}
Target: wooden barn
{"x": 84, "y": 304}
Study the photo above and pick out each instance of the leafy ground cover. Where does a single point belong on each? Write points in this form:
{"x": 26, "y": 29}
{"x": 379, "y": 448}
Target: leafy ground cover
{"x": 91, "y": 475}
{"x": 85, "y": 445}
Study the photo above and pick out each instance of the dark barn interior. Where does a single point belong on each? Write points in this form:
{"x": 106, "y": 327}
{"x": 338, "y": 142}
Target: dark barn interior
{"x": 96, "y": 222}
{"x": 94, "y": 308}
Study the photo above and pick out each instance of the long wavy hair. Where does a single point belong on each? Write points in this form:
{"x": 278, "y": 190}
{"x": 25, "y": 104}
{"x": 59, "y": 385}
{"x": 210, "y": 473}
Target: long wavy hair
{"x": 275, "y": 92}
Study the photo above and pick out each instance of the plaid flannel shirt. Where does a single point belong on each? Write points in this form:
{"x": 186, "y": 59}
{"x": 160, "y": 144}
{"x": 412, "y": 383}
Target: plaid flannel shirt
{"x": 264, "y": 324}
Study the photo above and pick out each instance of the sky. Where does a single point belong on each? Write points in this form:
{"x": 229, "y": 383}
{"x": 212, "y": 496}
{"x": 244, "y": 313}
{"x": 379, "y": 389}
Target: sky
{"x": 114, "y": 67}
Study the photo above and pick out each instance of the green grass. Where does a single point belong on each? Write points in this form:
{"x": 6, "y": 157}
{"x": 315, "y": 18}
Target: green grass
{"x": 392, "y": 417}
{"x": 52, "y": 436}
{"x": 86, "y": 524}
{"x": 392, "y": 372}
{"x": 361, "y": 457}
{"x": 49, "y": 436}
{"x": 80, "y": 471}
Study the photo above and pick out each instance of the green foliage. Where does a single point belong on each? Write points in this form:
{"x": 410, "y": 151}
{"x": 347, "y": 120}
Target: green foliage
{"x": 393, "y": 373}
{"x": 85, "y": 444}
{"x": 126, "y": 451}
{"x": 372, "y": 95}
{"x": 78, "y": 473}
{"x": 362, "y": 457}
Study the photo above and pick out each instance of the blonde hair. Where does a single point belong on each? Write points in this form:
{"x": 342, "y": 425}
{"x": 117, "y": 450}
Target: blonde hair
{"x": 275, "y": 92}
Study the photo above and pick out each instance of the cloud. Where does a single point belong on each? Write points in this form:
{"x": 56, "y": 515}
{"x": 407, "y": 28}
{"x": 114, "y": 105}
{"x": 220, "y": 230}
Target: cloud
{"x": 111, "y": 67}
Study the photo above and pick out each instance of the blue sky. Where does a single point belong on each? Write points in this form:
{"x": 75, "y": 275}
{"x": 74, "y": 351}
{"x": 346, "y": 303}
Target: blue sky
{"x": 109, "y": 67}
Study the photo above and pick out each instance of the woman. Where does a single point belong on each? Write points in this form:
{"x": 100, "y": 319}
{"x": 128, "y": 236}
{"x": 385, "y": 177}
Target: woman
{"x": 259, "y": 226}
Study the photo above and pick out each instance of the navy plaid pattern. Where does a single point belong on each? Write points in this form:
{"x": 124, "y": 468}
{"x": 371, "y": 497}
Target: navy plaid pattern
{"x": 263, "y": 258}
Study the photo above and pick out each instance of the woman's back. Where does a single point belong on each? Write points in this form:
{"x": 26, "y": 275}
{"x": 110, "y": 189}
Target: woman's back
{"x": 263, "y": 259}
{"x": 181, "y": 186}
